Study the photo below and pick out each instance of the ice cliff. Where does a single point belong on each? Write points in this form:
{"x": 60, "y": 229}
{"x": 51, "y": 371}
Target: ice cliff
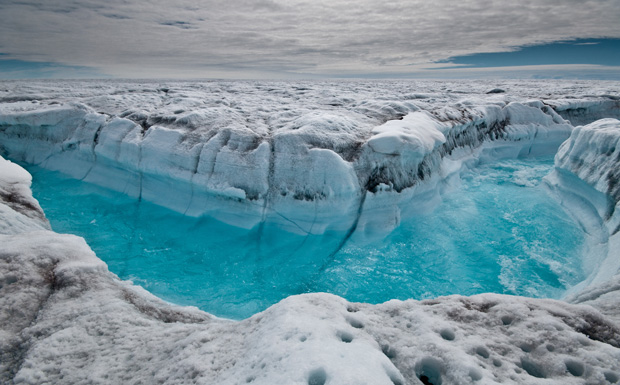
{"x": 66, "y": 319}
{"x": 285, "y": 154}
{"x": 586, "y": 181}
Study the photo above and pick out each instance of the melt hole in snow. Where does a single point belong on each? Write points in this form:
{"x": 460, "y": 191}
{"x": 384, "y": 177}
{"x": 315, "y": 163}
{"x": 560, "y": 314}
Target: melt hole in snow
{"x": 447, "y": 334}
{"x": 429, "y": 370}
{"x": 317, "y": 377}
{"x": 345, "y": 337}
{"x": 526, "y": 347}
{"x": 532, "y": 368}
{"x": 612, "y": 377}
{"x": 10, "y": 279}
{"x": 507, "y": 320}
{"x": 355, "y": 323}
{"x": 575, "y": 368}
{"x": 482, "y": 351}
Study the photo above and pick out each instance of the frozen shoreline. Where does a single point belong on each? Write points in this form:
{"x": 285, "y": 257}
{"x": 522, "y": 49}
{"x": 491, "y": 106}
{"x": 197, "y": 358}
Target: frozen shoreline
{"x": 69, "y": 320}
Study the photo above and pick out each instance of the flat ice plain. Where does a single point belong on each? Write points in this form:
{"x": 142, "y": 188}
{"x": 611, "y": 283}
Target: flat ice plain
{"x": 310, "y": 157}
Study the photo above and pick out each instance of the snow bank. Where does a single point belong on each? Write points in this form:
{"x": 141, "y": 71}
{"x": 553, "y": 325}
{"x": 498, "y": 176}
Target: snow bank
{"x": 19, "y": 211}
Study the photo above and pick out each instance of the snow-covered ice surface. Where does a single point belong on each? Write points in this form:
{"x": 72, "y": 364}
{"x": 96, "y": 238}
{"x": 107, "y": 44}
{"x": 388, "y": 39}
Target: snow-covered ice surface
{"x": 19, "y": 207}
{"x": 312, "y": 157}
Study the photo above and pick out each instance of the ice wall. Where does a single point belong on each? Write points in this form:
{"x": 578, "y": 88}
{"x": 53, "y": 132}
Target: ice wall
{"x": 586, "y": 180}
{"x": 581, "y": 112}
{"x": 317, "y": 171}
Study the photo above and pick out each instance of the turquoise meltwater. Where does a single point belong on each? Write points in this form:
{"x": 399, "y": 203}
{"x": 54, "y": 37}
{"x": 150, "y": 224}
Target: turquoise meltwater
{"x": 499, "y": 231}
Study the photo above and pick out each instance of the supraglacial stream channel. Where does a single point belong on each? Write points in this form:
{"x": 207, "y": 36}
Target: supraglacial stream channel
{"x": 499, "y": 231}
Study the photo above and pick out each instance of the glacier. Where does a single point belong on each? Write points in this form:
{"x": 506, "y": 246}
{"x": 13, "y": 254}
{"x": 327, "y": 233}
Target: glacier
{"x": 310, "y": 157}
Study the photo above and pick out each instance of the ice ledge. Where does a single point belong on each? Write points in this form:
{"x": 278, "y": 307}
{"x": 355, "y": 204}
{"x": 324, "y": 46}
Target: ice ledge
{"x": 19, "y": 211}
{"x": 593, "y": 154}
{"x": 586, "y": 180}
{"x": 297, "y": 174}
{"x": 586, "y": 111}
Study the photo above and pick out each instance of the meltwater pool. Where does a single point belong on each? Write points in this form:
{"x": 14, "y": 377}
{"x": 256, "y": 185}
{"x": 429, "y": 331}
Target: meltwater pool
{"x": 499, "y": 231}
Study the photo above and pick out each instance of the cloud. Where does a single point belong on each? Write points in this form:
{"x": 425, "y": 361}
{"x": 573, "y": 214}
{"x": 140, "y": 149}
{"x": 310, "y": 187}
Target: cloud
{"x": 200, "y": 38}
{"x": 116, "y": 16}
{"x": 179, "y": 24}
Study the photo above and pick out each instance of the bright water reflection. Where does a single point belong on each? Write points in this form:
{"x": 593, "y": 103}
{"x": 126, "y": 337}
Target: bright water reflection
{"x": 498, "y": 232}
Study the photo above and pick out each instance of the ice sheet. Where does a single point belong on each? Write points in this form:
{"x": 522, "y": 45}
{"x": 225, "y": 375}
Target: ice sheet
{"x": 66, "y": 319}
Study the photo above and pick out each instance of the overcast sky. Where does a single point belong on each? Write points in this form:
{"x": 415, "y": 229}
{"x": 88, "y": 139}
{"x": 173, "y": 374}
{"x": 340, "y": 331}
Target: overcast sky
{"x": 296, "y": 38}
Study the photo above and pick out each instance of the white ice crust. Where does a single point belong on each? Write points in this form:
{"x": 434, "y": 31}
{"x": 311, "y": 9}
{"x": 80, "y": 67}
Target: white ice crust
{"x": 18, "y": 207}
{"x": 66, "y": 319}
